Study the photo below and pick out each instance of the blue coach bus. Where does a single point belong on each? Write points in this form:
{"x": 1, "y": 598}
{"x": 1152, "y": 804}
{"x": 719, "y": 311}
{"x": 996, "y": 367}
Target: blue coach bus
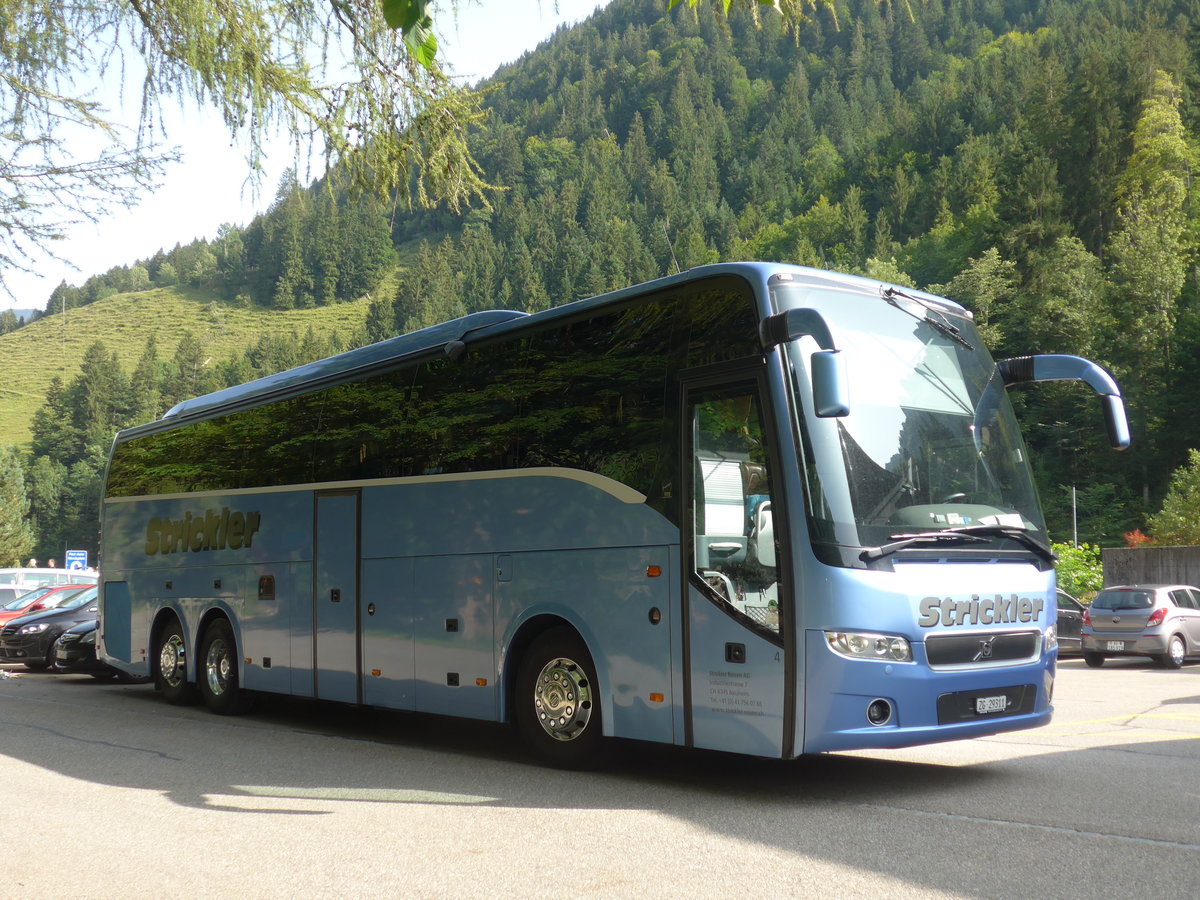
{"x": 751, "y": 507}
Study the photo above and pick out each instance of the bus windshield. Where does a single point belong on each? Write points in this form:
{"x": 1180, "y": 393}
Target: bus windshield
{"x": 931, "y": 442}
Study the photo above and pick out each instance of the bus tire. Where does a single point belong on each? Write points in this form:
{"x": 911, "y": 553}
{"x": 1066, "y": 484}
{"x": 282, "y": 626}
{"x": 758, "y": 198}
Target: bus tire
{"x": 557, "y": 701}
{"x": 218, "y": 671}
{"x": 170, "y": 668}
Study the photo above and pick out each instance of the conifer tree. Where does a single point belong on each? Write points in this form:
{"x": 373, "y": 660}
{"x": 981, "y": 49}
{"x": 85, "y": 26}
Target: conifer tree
{"x": 144, "y": 387}
{"x": 16, "y": 537}
{"x": 1176, "y": 522}
{"x": 1147, "y": 256}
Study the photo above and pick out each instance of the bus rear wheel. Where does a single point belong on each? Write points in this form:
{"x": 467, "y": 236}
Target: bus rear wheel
{"x": 557, "y": 701}
{"x": 170, "y": 673}
{"x": 219, "y": 687}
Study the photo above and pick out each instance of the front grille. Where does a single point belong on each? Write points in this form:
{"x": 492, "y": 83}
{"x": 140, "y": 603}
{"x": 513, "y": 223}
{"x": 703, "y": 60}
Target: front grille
{"x": 10, "y": 630}
{"x": 982, "y": 649}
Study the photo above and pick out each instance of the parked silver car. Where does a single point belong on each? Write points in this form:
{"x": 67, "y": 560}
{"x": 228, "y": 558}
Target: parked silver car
{"x": 1161, "y": 621}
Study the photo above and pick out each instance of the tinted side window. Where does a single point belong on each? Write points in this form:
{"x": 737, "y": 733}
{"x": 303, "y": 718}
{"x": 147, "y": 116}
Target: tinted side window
{"x": 596, "y": 394}
{"x": 251, "y": 448}
{"x": 1182, "y": 599}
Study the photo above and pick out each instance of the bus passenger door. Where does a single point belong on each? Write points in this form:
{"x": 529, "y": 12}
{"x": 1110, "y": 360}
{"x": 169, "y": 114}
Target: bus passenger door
{"x": 335, "y": 597}
{"x": 735, "y": 654}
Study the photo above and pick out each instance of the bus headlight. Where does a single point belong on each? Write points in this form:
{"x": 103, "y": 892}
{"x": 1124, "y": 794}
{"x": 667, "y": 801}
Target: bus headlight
{"x": 864, "y": 645}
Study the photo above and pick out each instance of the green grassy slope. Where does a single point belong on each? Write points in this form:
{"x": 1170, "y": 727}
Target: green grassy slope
{"x": 31, "y": 356}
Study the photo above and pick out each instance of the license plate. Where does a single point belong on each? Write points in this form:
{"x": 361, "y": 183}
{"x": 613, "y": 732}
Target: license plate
{"x": 990, "y": 704}
{"x": 1115, "y": 645}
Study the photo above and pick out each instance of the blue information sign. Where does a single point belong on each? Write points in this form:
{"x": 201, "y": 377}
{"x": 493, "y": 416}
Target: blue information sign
{"x": 77, "y": 559}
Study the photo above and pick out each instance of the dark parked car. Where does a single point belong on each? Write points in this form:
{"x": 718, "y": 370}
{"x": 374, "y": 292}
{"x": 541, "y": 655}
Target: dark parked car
{"x": 30, "y": 638}
{"x": 75, "y": 652}
{"x": 1069, "y": 624}
{"x": 1161, "y": 621}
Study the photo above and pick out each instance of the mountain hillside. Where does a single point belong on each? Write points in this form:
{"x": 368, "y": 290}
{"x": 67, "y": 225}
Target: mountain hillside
{"x": 56, "y": 344}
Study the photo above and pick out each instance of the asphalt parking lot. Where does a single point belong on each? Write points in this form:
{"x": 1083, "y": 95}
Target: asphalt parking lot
{"x": 302, "y": 799}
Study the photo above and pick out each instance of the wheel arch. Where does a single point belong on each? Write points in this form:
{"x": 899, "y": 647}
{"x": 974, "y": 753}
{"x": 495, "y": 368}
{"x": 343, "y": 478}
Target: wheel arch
{"x": 518, "y": 645}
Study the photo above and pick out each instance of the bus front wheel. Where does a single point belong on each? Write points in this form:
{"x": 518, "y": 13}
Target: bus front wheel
{"x": 219, "y": 686}
{"x": 170, "y": 675}
{"x": 557, "y": 701}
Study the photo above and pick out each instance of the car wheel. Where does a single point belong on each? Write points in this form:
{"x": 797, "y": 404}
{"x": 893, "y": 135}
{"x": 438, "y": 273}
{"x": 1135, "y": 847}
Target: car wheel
{"x": 1095, "y": 660}
{"x": 48, "y": 662}
{"x": 557, "y": 701}
{"x": 219, "y": 686}
{"x": 170, "y": 673}
{"x": 1176, "y": 651}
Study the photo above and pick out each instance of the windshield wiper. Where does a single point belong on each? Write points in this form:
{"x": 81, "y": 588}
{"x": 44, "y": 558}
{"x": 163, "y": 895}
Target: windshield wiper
{"x": 965, "y": 534}
{"x": 940, "y": 324}
{"x": 900, "y": 541}
{"x": 1020, "y": 535}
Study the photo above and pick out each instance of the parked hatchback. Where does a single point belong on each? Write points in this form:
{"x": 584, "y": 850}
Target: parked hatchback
{"x": 1161, "y": 621}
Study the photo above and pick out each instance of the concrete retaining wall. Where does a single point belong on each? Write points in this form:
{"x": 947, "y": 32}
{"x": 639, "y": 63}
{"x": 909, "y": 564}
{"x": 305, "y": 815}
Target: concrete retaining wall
{"x": 1151, "y": 565}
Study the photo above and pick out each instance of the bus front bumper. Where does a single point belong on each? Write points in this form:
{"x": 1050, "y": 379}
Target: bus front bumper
{"x": 869, "y": 704}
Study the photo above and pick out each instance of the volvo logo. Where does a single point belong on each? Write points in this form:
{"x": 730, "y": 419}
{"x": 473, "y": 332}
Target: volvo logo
{"x": 985, "y": 650}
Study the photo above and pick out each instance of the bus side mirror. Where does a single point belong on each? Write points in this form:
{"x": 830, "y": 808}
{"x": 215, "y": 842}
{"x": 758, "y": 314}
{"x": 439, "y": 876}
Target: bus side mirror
{"x": 1059, "y": 367}
{"x": 830, "y": 384}
{"x": 1115, "y": 420}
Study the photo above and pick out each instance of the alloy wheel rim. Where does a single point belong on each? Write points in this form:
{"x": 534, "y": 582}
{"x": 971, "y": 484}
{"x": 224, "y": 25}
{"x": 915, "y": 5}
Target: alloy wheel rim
{"x": 562, "y": 699}
{"x": 218, "y": 667}
{"x": 171, "y": 660}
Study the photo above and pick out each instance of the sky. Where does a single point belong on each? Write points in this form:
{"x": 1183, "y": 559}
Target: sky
{"x": 208, "y": 188}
